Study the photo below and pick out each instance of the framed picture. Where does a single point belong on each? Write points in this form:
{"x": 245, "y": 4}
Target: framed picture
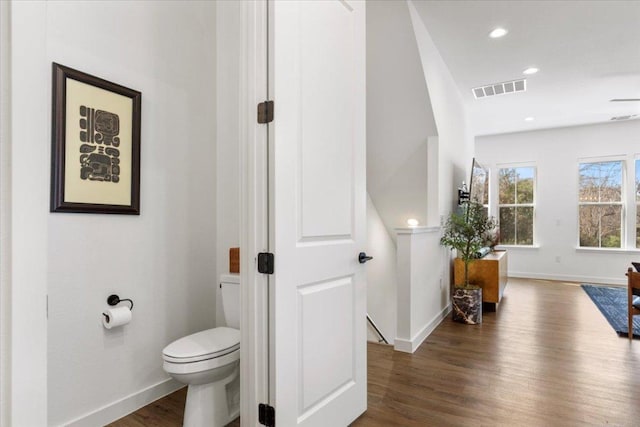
{"x": 95, "y": 156}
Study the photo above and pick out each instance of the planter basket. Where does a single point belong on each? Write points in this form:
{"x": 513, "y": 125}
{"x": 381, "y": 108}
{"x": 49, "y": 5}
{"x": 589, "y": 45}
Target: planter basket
{"x": 467, "y": 306}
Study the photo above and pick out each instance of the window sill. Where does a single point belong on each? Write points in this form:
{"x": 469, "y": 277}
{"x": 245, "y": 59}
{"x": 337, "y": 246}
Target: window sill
{"x": 608, "y": 250}
{"x": 505, "y": 247}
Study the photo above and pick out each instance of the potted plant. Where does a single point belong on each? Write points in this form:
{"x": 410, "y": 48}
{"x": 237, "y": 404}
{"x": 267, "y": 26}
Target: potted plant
{"x": 466, "y": 231}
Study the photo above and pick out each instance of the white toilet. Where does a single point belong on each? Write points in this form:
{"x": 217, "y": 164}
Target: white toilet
{"x": 209, "y": 363}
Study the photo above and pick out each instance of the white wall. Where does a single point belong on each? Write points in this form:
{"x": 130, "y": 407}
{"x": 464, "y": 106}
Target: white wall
{"x": 5, "y": 214}
{"x": 555, "y": 153}
{"x": 422, "y": 295}
{"x": 381, "y": 276}
{"x": 399, "y": 117}
{"x": 26, "y": 224}
{"x": 456, "y": 144}
{"x": 414, "y": 111}
{"x": 162, "y": 259}
{"x": 228, "y": 39}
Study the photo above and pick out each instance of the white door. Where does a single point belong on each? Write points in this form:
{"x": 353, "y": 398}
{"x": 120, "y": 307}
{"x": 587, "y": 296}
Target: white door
{"x": 318, "y": 219}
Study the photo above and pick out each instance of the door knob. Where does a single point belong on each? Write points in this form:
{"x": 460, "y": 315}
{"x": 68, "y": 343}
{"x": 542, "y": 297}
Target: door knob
{"x": 362, "y": 257}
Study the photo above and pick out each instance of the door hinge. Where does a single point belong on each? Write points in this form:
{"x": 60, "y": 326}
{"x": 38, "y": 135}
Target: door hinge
{"x": 265, "y": 112}
{"x": 265, "y": 263}
{"x": 266, "y": 415}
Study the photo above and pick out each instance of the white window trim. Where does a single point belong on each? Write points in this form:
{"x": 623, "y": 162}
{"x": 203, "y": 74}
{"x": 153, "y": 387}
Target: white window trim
{"x": 624, "y": 226}
{"x": 500, "y": 166}
{"x": 525, "y": 247}
{"x": 585, "y": 249}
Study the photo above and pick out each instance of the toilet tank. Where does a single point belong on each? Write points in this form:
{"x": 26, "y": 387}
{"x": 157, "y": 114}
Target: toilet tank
{"x": 230, "y": 290}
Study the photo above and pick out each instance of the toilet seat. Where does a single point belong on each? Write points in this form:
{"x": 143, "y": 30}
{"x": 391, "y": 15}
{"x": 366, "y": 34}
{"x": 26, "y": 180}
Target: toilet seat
{"x": 204, "y": 345}
{"x": 201, "y": 366}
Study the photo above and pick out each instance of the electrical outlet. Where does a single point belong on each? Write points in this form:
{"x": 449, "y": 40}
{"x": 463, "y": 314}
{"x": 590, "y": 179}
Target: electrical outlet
{"x": 558, "y": 259}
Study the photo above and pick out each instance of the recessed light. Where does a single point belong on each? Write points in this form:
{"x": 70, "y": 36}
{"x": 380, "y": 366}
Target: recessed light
{"x": 530, "y": 70}
{"x": 412, "y": 222}
{"x": 529, "y": 119}
{"x": 497, "y": 33}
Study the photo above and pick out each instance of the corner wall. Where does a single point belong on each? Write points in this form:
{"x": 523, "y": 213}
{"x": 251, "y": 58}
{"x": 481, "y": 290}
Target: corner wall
{"x": 162, "y": 259}
{"x": 26, "y": 186}
{"x": 399, "y": 117}
{"x": 455, "y": 143}
{"x": 381, "y": 277}
{"x": 414, "y": 113}
{"x": 556, "y": 154}
{"x": 5, "y": 215}
{"x": 228, "y": 39}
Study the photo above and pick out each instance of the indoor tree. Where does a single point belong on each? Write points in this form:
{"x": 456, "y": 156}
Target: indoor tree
{"x": 466, "y": 231}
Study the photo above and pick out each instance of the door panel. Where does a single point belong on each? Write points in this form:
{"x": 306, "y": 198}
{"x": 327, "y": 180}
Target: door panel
{"x": 318, "y": 202}
{"x": 327, "y": 367}
{"x": 326, "y": 67}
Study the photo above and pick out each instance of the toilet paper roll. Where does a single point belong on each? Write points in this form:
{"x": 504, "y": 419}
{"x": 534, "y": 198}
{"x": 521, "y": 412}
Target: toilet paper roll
{"x": 116, "y": 317}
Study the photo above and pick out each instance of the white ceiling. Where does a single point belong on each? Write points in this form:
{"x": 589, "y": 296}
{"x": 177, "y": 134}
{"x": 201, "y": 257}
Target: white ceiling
{"x": 588, "y": 52}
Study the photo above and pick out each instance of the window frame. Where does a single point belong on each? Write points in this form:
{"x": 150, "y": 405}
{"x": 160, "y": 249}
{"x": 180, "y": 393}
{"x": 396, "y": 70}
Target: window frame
{"x": 487, "y": 195}
{"x": 532, "y": 165}
{"x": 622, "y": 203}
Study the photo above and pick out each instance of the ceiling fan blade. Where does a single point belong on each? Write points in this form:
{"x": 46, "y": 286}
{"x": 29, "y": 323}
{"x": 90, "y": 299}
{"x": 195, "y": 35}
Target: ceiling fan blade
{"x": 625, "y": 99}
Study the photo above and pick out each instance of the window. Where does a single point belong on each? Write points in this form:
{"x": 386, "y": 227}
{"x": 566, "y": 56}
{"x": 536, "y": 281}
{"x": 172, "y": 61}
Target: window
{"x": 516, "y": 206}
{"x": 600, "y": 204}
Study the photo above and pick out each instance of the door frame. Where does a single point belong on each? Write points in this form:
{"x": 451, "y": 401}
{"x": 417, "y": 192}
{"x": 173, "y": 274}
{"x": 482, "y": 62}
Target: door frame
{"x": 254, "y": 212}
{"x": 23, "y": 219}
{"x": 5, "y": 247}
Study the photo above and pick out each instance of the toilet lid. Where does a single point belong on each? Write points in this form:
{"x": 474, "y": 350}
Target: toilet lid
{"x": 203, "y": 345}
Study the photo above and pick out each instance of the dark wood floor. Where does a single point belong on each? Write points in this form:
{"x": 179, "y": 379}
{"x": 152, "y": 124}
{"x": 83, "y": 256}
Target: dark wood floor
{"x": 547, "y": 357}
{"x": 165, "y": 412}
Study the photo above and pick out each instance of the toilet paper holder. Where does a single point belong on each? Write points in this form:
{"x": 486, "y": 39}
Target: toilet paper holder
{"x": 115, "y": 300}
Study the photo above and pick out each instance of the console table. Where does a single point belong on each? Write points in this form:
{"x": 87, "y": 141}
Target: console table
{"x": 490, "y": 273}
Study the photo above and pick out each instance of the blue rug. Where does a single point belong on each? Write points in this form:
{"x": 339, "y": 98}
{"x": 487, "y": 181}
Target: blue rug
{"x": 612, "y": 302}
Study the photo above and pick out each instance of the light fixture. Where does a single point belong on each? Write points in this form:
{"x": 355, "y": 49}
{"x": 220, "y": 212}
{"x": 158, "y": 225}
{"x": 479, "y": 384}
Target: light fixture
{"x": 530, "y": 70}
{"x": 412, "y": 222}
{"x": 497, "y": 33}
{"x": 529, "y": 119}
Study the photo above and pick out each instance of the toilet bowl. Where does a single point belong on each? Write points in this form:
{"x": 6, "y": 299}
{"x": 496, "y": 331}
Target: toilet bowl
{"x": 209, "y": 363}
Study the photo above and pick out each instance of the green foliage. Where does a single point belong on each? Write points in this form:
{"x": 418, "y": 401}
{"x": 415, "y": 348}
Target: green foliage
{"x": 466, "y": 232}
{"x": 600, "y": 211}
{"x": 516, "y": 225}
{"x": 516, "y": 222}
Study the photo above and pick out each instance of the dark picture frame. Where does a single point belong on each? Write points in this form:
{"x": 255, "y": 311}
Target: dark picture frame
{"x": 95, "y": 153}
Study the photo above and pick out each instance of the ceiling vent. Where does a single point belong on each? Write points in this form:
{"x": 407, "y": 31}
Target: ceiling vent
{"x": 627, "y": 117}
{"x": 503, "y": 88}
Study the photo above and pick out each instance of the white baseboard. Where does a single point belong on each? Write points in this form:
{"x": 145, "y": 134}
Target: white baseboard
{"x": 570, "y": 278}
{"x": 126, "y": 405}
{"x": 410, "y": 346}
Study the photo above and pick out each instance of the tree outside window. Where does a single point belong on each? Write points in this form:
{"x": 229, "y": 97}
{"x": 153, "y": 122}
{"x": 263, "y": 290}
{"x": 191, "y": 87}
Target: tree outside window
{"x": 516, "y": 205}
{"x": 600, "y": 204}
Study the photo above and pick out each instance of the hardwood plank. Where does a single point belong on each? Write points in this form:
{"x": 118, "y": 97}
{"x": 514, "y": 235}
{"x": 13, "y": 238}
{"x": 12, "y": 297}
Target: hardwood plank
{"x": 547, "y": 358}
{"x": 165, "y": 412}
